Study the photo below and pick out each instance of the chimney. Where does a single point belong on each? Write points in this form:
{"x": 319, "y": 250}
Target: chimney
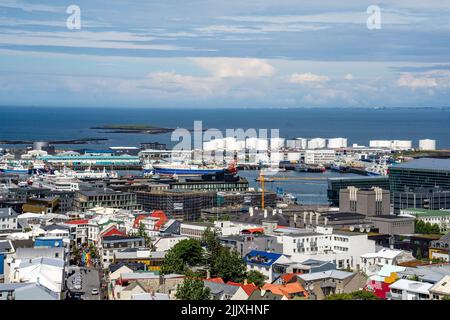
{"x": 295, "y": 218}
{"x": 265, "y": 213}
{"x": 245, "y": 282}
{"x": 250, "y": 211}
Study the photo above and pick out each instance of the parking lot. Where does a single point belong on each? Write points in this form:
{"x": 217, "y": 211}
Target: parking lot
{"x": 84, "y": 282}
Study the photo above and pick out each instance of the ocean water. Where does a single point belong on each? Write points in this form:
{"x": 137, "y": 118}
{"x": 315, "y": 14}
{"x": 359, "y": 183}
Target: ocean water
{"x": 357, "y": 125}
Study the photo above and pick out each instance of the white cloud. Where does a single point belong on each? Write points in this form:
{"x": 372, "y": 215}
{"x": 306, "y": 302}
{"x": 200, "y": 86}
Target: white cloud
{"x": 308, "y": 77}
{"x": 236, "y": 67}
{"x": 427, "y": 80}
{"x": 83, "y": 39}
{"x": 349, "y": 76}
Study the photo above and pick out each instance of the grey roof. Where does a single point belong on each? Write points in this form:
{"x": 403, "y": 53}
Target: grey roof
{"x": 39, "y": 252}
{"x": 426, "y": 164}
{"x": 5, "y": 246}
{"x": 333, "y": 274}
{"x": 219, "y": 288}
{"x": 431, "y": 273}
{"x": 7, "y": 213}
{"x": 47, "y": 261}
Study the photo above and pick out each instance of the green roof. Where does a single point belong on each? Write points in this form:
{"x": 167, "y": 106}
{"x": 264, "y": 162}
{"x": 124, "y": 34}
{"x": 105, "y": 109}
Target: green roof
{"x": 427, "y": 213}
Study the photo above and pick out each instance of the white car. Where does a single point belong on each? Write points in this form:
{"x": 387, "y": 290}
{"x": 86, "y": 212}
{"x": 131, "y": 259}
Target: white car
{"x": 94, "y": 292}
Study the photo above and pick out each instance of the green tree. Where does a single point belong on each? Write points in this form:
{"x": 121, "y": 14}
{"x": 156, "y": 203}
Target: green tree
{"x": 143, "y": 234}
{"x": 256, "y": 278}
{"x": 419, "y": 254}
{"x": 229, "y": 266}
{"x": 212, "y": 244}
{"x": 192, "y": 288}
{"x": 356, "y": 295}
{"x": 184, "y": 254}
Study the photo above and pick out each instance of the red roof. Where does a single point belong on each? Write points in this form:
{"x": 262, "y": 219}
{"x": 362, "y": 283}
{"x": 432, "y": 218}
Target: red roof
{"x": 248, "y": 288}
{"x": 161, "y": 216}
{"x": 113, "y": 232}
{"x": 138, "y": 219}
{"x": 81, "y": 221}
{"x": 215, "y": 280}
{"x": 288, "y": 277}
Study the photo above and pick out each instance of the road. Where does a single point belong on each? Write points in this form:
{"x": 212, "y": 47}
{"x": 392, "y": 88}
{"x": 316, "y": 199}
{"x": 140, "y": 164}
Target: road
{"x": 90, "y": 280}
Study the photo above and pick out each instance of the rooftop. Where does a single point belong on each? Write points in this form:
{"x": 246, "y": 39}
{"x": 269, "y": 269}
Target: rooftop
{"x": 412, "y": 286}
{"x": 426, "y": 164}
{"x": 427, "y": 213}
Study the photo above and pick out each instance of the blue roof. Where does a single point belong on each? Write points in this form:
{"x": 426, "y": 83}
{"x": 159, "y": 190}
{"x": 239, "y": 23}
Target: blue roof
{"x": 262, "y": 258}
{"x": 426, "y": 164}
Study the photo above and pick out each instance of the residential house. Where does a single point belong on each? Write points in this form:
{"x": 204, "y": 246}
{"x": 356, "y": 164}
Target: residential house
{"x": 405, "y": 289}
{"x": 110, "y": 245}
{"x": 372, "y": 262}
{"x": 441, "y": 289}
{"x": 322, "y": 284}
{"x": 262, "y": 261}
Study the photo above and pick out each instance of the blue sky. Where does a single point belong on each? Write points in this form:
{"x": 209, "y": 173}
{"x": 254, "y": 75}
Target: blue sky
{"x": 209, "y": 53}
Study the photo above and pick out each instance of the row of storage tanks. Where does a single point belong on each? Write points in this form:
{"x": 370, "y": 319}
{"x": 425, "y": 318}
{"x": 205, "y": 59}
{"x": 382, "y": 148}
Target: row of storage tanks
{"x": 233, "y": 144}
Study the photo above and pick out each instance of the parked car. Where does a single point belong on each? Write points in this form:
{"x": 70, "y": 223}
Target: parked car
{"x": 94, "y": 292}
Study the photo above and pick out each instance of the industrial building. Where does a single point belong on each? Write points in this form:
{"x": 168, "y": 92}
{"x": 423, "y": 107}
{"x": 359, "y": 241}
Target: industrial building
{"x": 88, "y": 199}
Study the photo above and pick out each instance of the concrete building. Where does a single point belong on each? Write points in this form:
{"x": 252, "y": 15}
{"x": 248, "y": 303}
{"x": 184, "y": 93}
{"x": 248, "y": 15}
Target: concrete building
{"x": 88, "y": 199}
{"x": 372, "y": 262}
{"x": 392, "y": 224}
{"x": 369, "y": 202}
{"x": 405, "y": 289}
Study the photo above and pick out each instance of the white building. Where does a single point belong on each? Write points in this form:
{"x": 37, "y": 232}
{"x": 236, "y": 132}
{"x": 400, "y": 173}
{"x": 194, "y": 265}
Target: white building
{"x": 404, "y": 289}
{"x": 336, "y": 143}
{"x": 373, "y": 262}
{"x": 8, "y": 219}
{"x": 427, "y": 144}
{"x": 344, "y": 248}
{"x": 320, "y": 156}
{"x": 439, "y": 217}
{"x": 317, "y": 143}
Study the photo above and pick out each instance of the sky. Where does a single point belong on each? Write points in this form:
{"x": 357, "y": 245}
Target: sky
{"x": 233, "y": 53}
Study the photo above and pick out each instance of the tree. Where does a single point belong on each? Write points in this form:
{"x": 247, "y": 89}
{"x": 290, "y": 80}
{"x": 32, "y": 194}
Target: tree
{"x": 229, "y": 266}
{"x": 419, "y": 254}
{"x": 256, "y": 278}
{"x": 143, "y": 234}
{"x": 212, "y": 245}
{"x": 356, "y": 295}
{"x": 184, "y": 254}
{"x": 192, "y": 289}
{"x": 76, "y": 253}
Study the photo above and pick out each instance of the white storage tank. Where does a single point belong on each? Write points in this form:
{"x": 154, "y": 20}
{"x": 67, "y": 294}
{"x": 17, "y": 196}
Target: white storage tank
{"x": 317, "y": 143}
{"x": 427, "y": 144}
{"x": 336, "y": 143}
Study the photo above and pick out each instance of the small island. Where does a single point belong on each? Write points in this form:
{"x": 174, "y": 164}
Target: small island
{"x": 133, "y": 128}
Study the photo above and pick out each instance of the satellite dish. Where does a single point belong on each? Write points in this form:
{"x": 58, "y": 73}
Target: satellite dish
{"x": 311, "y": 287}
{"x": 361, "y": 229}
{"x": 352, "y": 228}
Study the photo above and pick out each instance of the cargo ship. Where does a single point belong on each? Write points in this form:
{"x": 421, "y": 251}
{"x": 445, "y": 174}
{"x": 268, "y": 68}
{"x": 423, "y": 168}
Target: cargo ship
{"x": 184, "y": 169}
